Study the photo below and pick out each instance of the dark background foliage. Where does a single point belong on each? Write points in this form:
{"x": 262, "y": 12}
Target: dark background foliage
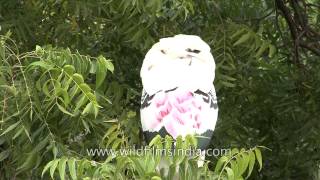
{"x": 267, "y": 77}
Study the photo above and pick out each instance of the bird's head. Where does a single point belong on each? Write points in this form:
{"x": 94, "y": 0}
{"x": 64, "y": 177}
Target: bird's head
{"x": 183, "y": 61}
{"x": 184, "y": 47}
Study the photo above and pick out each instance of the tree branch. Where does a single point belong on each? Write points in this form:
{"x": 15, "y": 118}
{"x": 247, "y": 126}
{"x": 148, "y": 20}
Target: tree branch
{"x": 299, "y": 26}
{"x": 287, "y": 15}
{"x": 310, "y": 47}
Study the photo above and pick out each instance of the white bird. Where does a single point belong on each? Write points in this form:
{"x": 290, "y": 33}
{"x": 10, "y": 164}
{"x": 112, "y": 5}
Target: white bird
{"x": 178, "y": 94}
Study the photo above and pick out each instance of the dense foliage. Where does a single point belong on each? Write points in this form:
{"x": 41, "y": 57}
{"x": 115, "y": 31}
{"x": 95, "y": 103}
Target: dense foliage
{"x": 80, "y": 88}
{"x": 56, "y": 113}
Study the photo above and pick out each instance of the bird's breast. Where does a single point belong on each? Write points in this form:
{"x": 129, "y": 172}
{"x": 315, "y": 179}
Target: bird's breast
{"x": 178, "y": 74}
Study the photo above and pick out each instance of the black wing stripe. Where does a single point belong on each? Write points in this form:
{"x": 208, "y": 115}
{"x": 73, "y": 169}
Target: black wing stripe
{"x": 205, "y": 97}
{"x": 209, "y": 97}
{"x": 166, "y": 91}
{"x": 145, "y": 100}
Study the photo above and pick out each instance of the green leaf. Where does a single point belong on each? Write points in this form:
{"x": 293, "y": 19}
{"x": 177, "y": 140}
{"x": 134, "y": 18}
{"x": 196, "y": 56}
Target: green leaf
{"x": 101, "y": 71}
{"x": 262, "y": 49}
{"x": 88, "y": 109}
{"x": 243, "y": 39}
{"x": 110, "y": 130}
{"x": 54, "y": 151}
{"x": 192, "y": 140}
{"x": 39, "y": 51}
{"x": 53, "y": 167}
{"x": 2, "y": 52}
{"x": 227, "y": 78}
{"x": 272, "y": 50}
{"x": 234, "y": 151}
{"x": 64, "y": 110}
{"x": 116, "y": 143}
{"x": 72, "y": 168}
{"x": 95, "y": 110}
{"x": 29, "y": 162}
{"x": 28, "y": 134}
{"x": 252, "y": 159}
{"x": 44, "y": 64}
{"x": 65, "y": 96}
{"x": 48, "y": 165}
{"x": 138, "y": 164}
{"x": 78, "y": 78}
{"x": 228, "y": 84}
{"x": 62, "y": 167}
{"x": 155, "y": 140}
{"x": 40, "y": 145}
{"x": 235, "y": 168}
{"x": 168, "y": 142}
{"x": 179, "y": 142}
{"x": 172, "y": 171}
{"x": 92, "y": 97}
{"x": 156, "y": 178}
{"x": 86, "y": 126}
{"x": 18, "y": 132}
{"x": 230, "y": 173}
{"x": 238, "y": 32}
{"x": 112, "y": 138}
{"x": 11, "y": 127}
{"x": 110, "y": 66}
{"x": 69, "y": 69}
{"x": 85, "y": 88}
{"x": 4, "y": 154}
{"x": 259, "y": 157}
{"x": 45, "y": 88}
{"x": 243, "y": 163}
{"x": 220, "y": 164}
{"x": 81, "y": 100}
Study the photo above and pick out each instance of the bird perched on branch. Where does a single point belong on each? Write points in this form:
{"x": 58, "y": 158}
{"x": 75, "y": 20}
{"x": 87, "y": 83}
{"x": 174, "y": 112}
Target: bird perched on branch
{"x": 178, "y": 95}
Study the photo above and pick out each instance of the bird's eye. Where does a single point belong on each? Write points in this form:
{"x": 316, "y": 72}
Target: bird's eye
{"x": 196, "y": 51}
{"x": 193, "y": 50}
{"x": 163, "y": 51}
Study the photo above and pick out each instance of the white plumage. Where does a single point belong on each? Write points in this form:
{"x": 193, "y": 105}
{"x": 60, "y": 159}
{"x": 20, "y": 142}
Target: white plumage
{"x": 179, "y": 97}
